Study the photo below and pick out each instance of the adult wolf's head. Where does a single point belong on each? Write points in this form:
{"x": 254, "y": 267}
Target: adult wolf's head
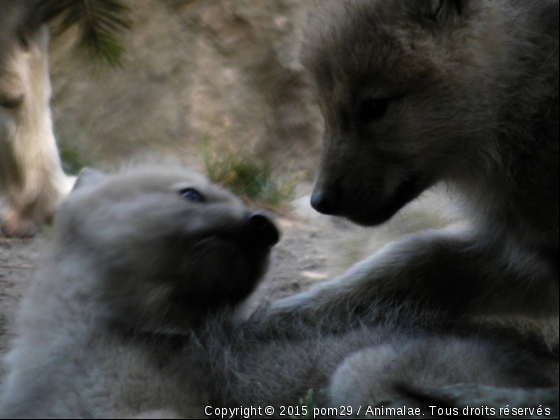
{"x": 168, "y": 246}
{"x": 408, "y": 91}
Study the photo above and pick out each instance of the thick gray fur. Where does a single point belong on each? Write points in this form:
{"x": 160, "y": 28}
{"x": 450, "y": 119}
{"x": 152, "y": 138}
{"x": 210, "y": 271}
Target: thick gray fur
{"x": 473, "y": 103}
{"x": 133, "y": 314}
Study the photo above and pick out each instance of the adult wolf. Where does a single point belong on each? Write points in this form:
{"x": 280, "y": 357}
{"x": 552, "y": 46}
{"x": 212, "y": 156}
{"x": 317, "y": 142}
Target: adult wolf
{"x": 458, "y": 91}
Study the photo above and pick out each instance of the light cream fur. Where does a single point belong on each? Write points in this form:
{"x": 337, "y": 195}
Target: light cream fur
{"x": 435, "y": 209}
{"x": 32, "y": 181}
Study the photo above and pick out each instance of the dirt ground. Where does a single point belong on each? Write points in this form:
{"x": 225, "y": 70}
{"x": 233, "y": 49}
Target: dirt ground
{"x": 299, "y": 261}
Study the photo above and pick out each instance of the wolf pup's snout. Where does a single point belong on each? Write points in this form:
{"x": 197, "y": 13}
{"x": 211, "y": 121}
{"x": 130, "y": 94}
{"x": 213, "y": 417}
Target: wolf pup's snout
{"x": 263, "y": 229}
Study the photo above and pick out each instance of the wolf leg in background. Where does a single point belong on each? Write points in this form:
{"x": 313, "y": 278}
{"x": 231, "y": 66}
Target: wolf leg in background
{"x": 32, "y": 181}
{"x": 462, "y": 92}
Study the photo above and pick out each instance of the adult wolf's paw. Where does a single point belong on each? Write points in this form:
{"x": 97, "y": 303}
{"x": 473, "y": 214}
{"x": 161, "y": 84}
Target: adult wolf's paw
{"x": 15, "y": 225}
{"x": 25, "y": 220}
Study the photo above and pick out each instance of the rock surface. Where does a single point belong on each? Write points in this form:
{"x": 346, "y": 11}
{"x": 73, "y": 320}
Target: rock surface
{"x": 195, "y": 71}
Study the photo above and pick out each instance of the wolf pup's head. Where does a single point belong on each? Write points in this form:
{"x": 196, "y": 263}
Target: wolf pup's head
{"x": 167, "y": 246}
{"x": 407, "y": 91}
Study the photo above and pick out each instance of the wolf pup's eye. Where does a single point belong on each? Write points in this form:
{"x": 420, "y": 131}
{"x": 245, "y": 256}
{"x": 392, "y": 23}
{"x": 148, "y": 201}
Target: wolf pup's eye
{"x": 372, "y": 109}
{"x": 190, "y": 194}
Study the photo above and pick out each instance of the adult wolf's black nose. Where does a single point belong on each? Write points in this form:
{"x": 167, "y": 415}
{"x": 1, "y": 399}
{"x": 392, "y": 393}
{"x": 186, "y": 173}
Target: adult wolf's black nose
{"x": 263, "y": 229}
{"x": 324, "y": 202}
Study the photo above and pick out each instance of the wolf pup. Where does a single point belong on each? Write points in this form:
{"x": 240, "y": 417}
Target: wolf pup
{"x": 151, "y": 251}
{"x": 464, "y": 92}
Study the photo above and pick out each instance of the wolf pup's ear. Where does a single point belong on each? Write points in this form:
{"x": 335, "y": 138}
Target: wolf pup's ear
{"x": 443, "y": 10}
{"x": 89, "y": 177}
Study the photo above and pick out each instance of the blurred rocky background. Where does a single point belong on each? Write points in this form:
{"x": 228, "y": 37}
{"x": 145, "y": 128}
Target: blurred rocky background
{"x": 194, "y": 72}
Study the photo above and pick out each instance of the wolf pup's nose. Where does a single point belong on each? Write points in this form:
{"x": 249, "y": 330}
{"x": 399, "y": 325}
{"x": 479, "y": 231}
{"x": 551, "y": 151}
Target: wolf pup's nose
{"x": 263, "y": 229}
{"x": 324, "y": 202}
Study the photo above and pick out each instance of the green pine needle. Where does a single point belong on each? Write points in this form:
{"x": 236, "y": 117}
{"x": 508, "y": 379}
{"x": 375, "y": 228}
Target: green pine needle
{"x": 101, "y": 25}
{"x": 249, "y": 178}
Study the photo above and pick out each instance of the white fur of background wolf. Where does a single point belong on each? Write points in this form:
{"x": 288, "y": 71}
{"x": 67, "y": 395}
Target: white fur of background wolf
{"x": 32, "y": 181}
{"x": 350, "y": 244}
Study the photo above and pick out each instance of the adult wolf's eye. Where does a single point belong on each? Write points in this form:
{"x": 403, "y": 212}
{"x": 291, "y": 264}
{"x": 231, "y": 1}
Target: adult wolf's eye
{"x": 192, "y": 195}
{"x": 372, "y": 109}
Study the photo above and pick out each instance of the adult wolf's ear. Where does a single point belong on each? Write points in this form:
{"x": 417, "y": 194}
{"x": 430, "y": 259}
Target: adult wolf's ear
{"x": 443, "y": 10}
{"x": 89, "y": 178}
